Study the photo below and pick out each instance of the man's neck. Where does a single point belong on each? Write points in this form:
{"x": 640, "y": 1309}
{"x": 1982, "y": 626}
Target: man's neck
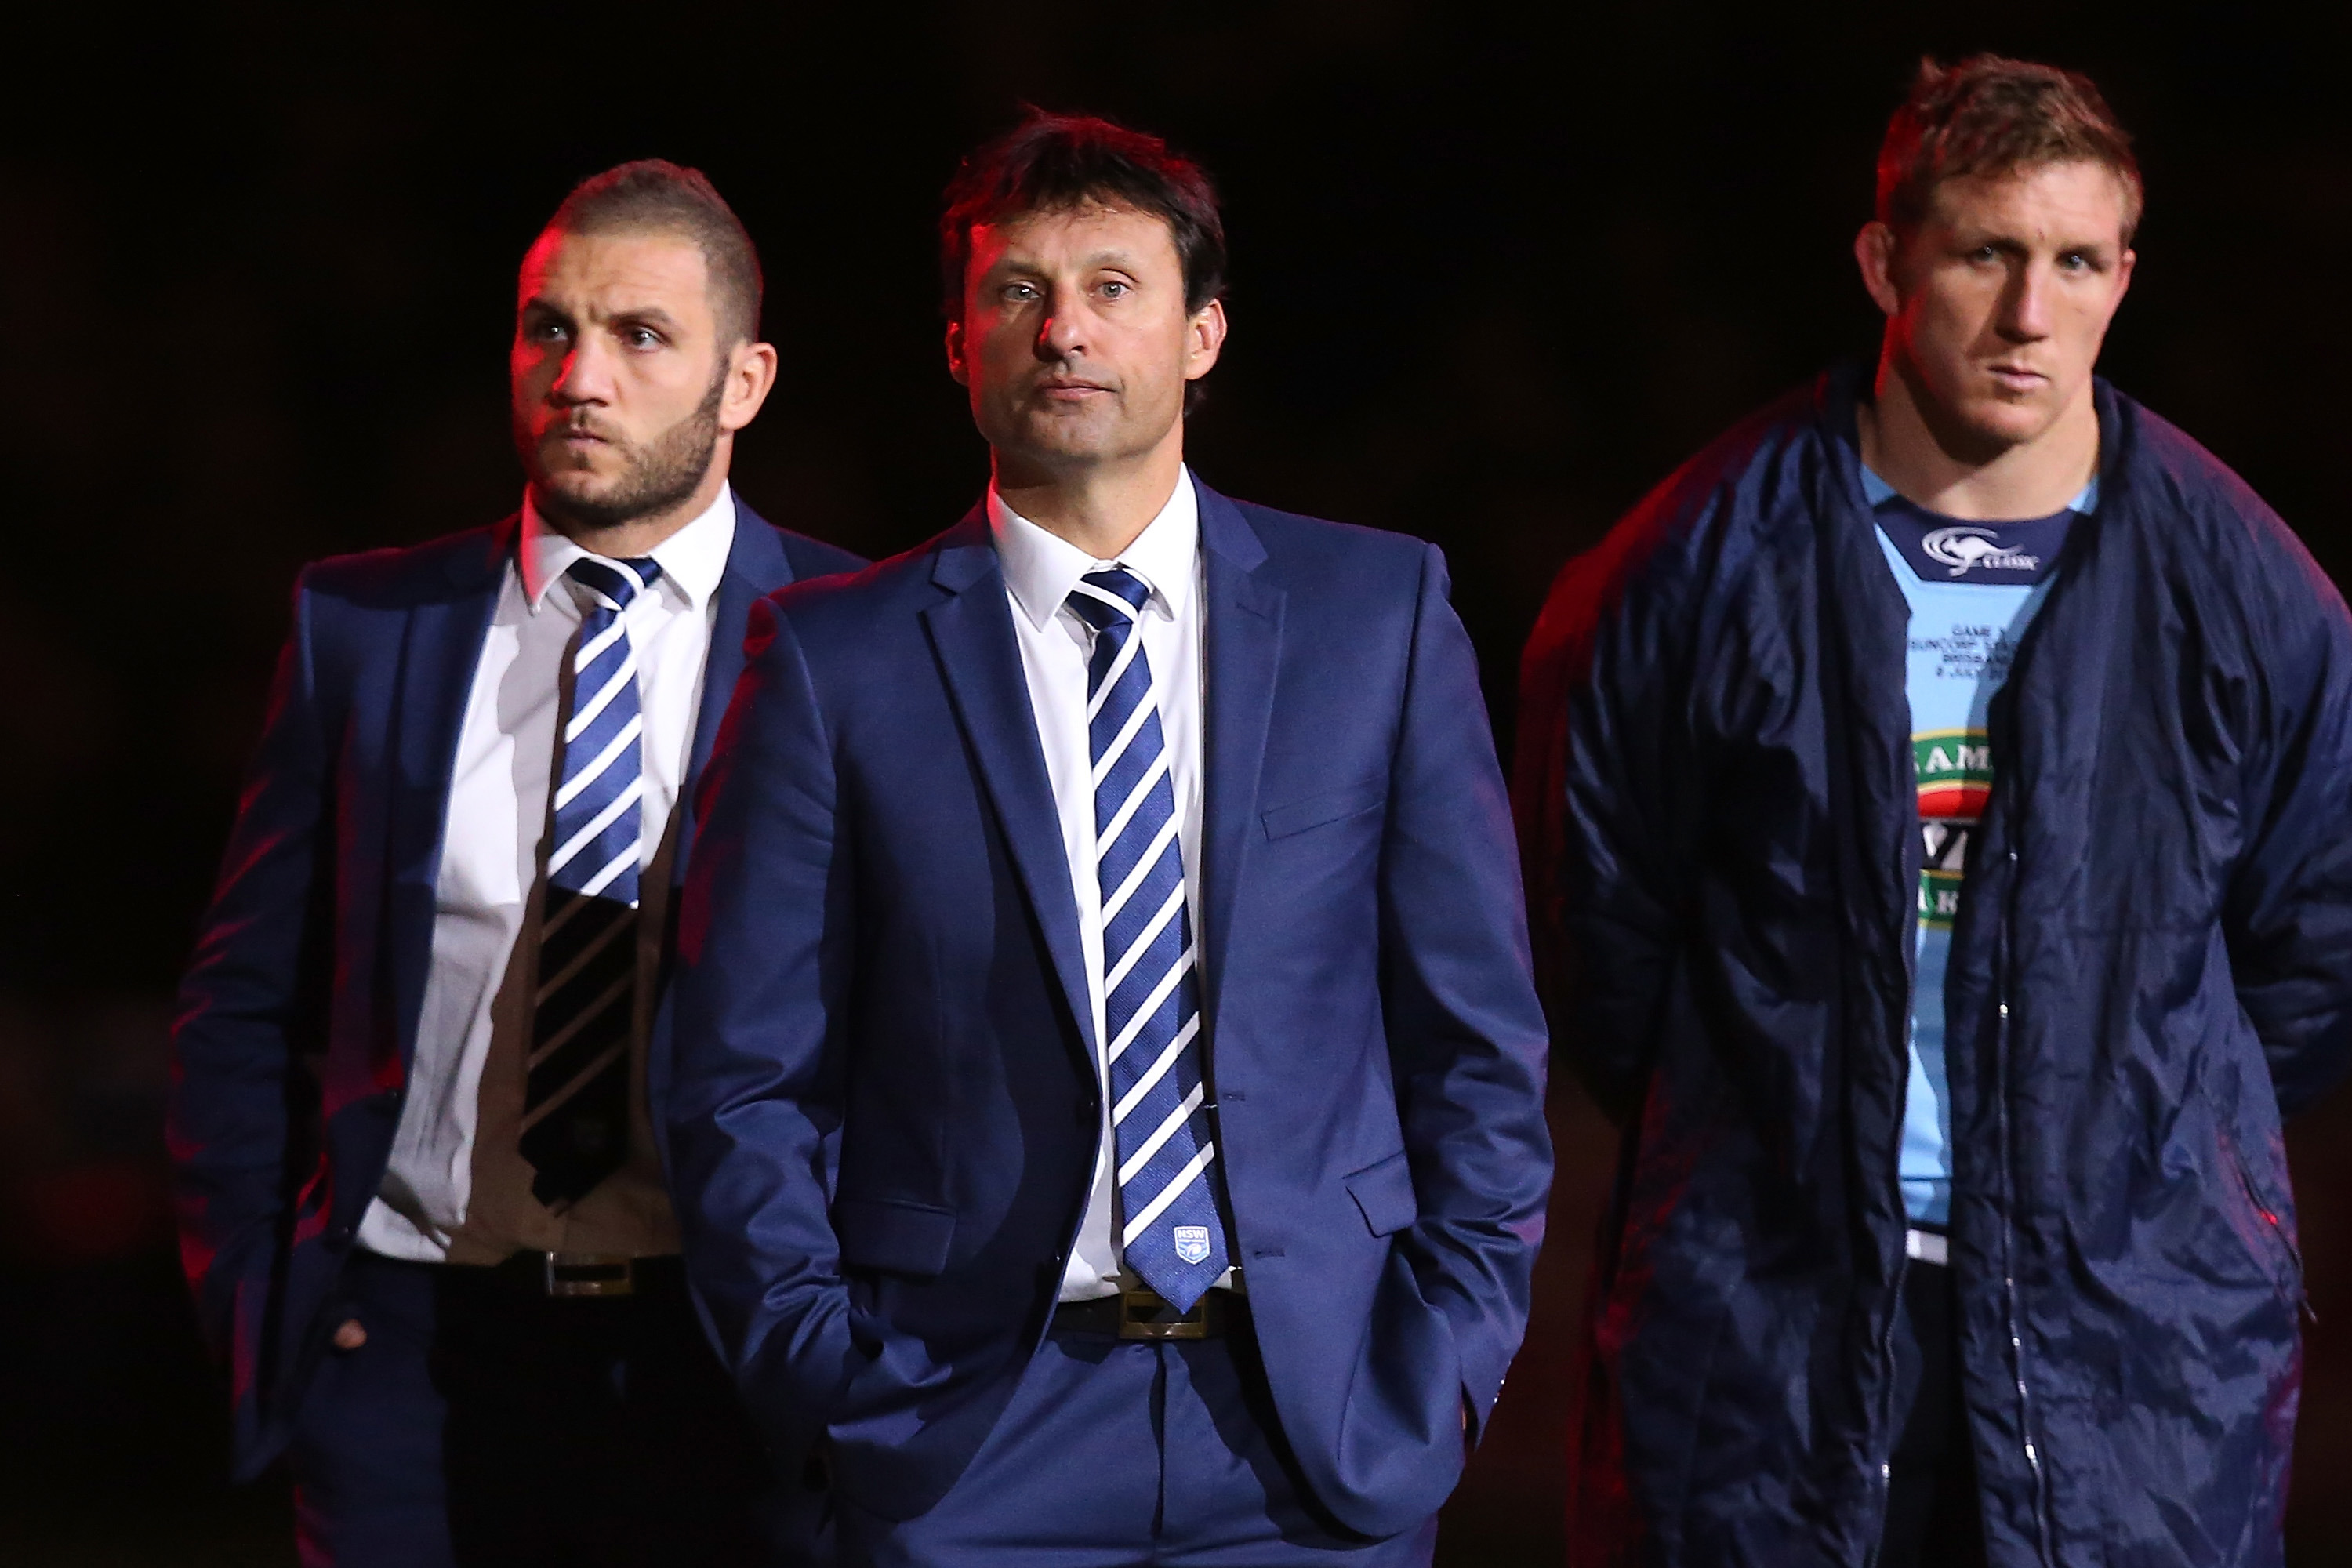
{"x": 1943, "y": 472}
{"x": 639, "y": 535}
{"x": 1101, "y": 508}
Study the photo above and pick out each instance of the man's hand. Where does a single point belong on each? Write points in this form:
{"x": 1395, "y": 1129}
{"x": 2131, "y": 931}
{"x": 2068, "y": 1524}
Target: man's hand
{"x": 352, "y": 1336}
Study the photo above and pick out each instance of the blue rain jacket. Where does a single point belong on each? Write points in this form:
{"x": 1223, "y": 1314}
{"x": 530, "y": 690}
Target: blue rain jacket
{"x": 2153, "y": 961}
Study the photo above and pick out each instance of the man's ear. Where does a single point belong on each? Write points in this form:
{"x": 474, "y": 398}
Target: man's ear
{"x": 954, "y": 346}
{"x": 1873, "y": 253}
{"x": 1204, "y": 340}
{"x": 750, "y": 376}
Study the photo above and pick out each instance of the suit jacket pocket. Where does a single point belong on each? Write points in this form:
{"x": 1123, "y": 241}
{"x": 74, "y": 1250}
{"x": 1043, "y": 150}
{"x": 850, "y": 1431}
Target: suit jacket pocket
{"x": 895, "y": 1236}
{"x": 1329, "y": 806}
{"x": 1384, "y": 1193}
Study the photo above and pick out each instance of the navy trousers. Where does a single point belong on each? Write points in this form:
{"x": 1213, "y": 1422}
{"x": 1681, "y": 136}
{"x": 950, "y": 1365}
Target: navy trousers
{"x": 481, "y": 1426}
{"x": 1119, "y": 1453}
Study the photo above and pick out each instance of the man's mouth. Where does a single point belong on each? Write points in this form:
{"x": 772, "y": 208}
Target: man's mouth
{"x": 2018, "y": 377}
{"x": 1068, "y": 389}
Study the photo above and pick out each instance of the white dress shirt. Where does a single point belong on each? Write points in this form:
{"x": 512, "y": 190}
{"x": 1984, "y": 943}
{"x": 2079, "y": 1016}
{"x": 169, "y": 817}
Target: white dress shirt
{"x": 493, "y": 850}
{"x": 1040, "y": 570}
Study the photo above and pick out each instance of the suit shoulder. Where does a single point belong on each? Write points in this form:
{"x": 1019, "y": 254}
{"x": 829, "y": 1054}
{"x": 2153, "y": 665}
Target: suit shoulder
{"x": 860, "y": 590}
{"x": 1308, "y": 539}
{"x": 806, "y": 556}
{"x": 1367, "y": 570}
{"x": 398, "y": 575}
{"x": 813, "y": 557}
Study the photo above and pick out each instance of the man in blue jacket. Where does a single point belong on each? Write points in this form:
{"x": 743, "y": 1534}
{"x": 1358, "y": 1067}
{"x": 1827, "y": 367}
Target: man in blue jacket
{"x": 1939, "y": 804}
{"x": 1108, "y": 1109}
{"x": 419, "y": 1197}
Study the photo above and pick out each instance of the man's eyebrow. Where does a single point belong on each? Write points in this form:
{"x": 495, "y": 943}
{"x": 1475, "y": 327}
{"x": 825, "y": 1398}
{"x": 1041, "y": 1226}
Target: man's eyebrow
{"x": 1011, "y": 262}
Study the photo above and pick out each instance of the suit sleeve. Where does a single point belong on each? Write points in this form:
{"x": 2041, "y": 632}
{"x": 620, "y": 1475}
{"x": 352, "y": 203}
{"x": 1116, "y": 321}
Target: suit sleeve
{"x": 249, "y": 1002}
{"x": 1596, "y": 790}
{"x": 2289, "y": 918}
{"x": 756, "y": 1086}
{"x": 1465, "y": 1034}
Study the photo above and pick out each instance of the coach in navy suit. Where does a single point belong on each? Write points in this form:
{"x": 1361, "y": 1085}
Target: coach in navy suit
{"x": 1121, "y": 890}
{"x": 420, "y": 1203}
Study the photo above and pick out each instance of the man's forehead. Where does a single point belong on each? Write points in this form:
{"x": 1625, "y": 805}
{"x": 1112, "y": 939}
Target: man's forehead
{"x": 2072, "y": 191}
{"x": 1078, "y": 231}
{"x": 614, "y": 270}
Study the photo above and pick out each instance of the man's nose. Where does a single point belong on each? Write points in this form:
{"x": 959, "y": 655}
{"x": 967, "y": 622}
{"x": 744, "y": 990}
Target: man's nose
{"x": 586, "y": 376}
{"x": 2025, "y": 312}
{"x": 1062, "y": 333}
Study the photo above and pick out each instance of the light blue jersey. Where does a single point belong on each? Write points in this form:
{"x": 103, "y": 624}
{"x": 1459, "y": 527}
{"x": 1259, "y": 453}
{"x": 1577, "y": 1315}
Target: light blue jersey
{"x": 1972, "y": 588}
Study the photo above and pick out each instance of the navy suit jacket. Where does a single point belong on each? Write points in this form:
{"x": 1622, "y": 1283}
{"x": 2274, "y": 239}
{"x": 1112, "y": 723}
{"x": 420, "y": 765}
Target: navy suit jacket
{"x": 298, "y": 1015}
{"x": 879, "y": 962}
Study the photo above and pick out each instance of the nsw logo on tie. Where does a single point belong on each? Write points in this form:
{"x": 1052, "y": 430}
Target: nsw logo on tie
{"x": 1163, "y": 1128}
{"x": 575, "y": 1127}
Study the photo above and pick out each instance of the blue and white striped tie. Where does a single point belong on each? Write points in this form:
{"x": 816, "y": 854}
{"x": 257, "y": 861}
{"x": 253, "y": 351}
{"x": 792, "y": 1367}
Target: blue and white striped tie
{"x": 576, "y": 1100}
{"x": 1162, "y": 1128}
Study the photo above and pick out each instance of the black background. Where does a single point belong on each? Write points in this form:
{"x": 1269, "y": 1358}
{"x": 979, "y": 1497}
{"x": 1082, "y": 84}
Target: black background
{"x": 1495, "y": 273}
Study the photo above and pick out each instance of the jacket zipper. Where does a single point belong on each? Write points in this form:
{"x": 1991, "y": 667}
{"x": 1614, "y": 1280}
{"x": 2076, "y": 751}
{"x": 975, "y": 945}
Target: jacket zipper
{"x": 1886, "y": 1479}
{"x": 2286, "y": 1242}
{"x": 2008, "y": 1227}
{"x": 1887, "y": 1404}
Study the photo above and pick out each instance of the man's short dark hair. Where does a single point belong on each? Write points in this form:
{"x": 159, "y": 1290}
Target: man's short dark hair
{"x": 1992, "y": 115}
{"x": 1054, "y": 162}
{"x": 654, "y": 195}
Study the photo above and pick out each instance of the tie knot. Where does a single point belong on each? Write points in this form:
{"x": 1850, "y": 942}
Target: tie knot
{"x": 615, "y": 582}
{"x": 1104, "y": 598}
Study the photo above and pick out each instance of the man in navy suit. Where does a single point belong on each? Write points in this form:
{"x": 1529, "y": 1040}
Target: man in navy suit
{"x": 1108, "y": 1111}
{"x": 419, "y": 1198}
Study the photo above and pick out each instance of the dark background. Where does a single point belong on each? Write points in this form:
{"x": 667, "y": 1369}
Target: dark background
{"x": 1495, "y": 274}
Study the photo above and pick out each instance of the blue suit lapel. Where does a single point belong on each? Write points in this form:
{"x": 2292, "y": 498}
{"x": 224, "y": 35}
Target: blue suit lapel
{"x": 756, "y": 567}
{"x": 1241, "y": 649}
{"x": 440, "y": 648}
{"x": 971, "y": 635}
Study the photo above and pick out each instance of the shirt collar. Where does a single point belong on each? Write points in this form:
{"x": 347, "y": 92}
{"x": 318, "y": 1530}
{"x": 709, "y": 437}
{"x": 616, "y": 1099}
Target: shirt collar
{"x": 692, "y": 560}
{"x": 1041, "y": 568}
{"x": 1878, "y": 492}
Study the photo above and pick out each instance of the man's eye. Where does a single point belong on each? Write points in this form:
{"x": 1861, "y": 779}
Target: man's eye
{"x": 1115, "y": 288}
{"x": 1020, "y": 293}
{"x": 2074, "y": 261}
{"x": 1984, "y": 253}
{"x": 546, "y": 332}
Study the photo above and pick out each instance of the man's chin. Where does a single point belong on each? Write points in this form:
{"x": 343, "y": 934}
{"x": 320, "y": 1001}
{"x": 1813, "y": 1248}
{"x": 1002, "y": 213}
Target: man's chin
{"x": 574, "y": 496}
{"x": 1075, "y": 443}
{"x": 2002, "y": 422}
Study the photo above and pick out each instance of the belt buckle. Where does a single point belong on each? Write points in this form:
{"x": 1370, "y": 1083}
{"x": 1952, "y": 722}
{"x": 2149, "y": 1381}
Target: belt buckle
{"x": 590, "y": 1274}
{"x": 1145, "y": 1314}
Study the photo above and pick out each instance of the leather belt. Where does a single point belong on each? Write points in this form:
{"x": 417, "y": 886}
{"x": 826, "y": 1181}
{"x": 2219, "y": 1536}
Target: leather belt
{"x": 1141, "y": 1315}
{"x": 571, "y": 1274}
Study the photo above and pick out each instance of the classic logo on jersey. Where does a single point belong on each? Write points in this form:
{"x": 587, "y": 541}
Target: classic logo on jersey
{"x": 1966, "y": 550}
{"x": 1955, "y": 773}
{"x": 1191, "y": 1242}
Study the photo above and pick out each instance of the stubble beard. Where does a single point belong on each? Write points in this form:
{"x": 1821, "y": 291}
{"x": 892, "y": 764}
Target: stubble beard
{"x": 654, "y": 477}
